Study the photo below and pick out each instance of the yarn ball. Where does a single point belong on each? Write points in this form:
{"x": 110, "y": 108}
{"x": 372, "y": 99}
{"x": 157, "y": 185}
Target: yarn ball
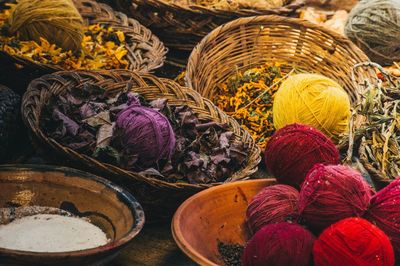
{"x": 312, "y": 100}
{"x": 57, "y": 21}
{"x": 294, "y": 149}
{"x": 331, "y": 193}
{"x": 353, "y": 241}
{"x": 146, "y": 134}
{"x": 273, "y": 204}
{"x": 384, "y": 212}
{"x": 374, "y": 26}
{"x": 279, "y": 244}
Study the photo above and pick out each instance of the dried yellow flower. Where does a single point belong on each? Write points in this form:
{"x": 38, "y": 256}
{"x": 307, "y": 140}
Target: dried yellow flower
{"x": 102, "y": 48}
{"x": 248, "y": 97}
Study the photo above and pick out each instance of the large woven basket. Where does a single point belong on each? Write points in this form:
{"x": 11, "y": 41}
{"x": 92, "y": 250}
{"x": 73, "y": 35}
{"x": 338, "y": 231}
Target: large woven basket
{"x": 159, "y": 198}
{"x": 248, "y": 42}
{"x": 145, "y": 51}
{"x": 182, "y": 27}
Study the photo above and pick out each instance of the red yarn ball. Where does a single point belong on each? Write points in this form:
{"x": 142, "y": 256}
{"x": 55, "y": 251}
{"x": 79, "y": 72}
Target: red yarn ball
{"x": 279, "y": 244}
{"x": 293, "y": 150}
{"x": 352, "y": 242}
{"x": 331, "y": 193}
{"x": 273, "y": 204}
{"x": 384, "y": 212}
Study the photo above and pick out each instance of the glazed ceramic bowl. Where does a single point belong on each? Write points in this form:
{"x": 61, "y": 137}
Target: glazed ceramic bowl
{"x": 215, "y": 215}
{"x": 107, "y": 206}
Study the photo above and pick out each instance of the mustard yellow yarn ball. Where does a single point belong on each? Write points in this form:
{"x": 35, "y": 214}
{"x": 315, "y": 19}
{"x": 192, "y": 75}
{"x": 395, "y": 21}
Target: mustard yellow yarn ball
{"x": 312, "y": 100}
{"x": 57, "y": 21}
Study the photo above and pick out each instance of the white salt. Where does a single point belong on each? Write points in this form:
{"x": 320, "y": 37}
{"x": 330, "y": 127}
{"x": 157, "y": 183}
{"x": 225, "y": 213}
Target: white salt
{"x": 51, "y": 233}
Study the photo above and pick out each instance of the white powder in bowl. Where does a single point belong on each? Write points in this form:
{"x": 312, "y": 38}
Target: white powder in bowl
{"x": 51, "y": 233}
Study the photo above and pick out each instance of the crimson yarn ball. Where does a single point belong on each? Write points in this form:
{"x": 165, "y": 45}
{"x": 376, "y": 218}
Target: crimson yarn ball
{"x": 331, "y": 193}
{"x": 384, "y": 212}
{"x": 279, "y": 244}
{"x": 352, "y": 242}
{"x": 294, "y": 149}
{"x": 273, "y": 204}
{"x": 145, "y": 133}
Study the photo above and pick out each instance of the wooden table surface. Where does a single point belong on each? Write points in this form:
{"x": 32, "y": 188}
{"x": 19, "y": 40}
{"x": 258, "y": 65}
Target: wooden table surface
{"x": 153, "y": 246}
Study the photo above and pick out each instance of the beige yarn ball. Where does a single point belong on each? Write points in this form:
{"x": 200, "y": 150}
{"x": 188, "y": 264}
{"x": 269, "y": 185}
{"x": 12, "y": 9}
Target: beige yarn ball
{"x": 57, "y": 21}
{"x": 374, "y": 25}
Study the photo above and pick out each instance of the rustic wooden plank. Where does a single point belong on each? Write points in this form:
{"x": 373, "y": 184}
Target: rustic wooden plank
{"x": 154, "y": 246}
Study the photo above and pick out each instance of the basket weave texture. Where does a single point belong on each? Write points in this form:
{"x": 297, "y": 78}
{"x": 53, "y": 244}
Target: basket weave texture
{"x": 353, "y": 144}
{"x": 183, "y": 26}
{"x": 153, "y": 193}
{"x": 248, "y": 42}
{"x": 145, "y": 51}
{"x": 359, "y": 151}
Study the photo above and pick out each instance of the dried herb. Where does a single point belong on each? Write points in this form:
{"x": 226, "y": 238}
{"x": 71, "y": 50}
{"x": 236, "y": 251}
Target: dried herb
{"x": 233, "y": 4}
{"x": 375, "y": 126}
{"x": 102, "y": 48}
{"x": 205, "y": 151}
{"x": 231, "y": 253}
{"x": 248, "y": 97}
{"x": 83, "y": 119}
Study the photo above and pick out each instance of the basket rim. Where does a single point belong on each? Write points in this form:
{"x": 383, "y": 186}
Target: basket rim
{"x": 219, "y": 12}
{"x": 254, "y": 150}
{"x": 273, "y": 18}
{"x": 191, "y": 67}
{"x": 159, "y": 45}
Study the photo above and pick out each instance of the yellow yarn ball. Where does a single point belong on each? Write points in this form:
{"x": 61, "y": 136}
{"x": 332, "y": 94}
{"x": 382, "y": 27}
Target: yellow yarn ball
{"x": 312, "y": 100}
{"x": 57, "y": 21}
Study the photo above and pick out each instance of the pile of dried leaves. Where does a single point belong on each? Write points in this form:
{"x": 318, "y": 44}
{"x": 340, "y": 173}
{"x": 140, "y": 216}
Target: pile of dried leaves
{"x": 375, "y": 126}
{"x": 102, "y": 47}
{"x": 84, "y": 120}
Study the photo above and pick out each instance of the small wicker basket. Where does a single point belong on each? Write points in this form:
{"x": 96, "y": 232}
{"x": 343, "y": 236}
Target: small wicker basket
{"x": 248, "y": 42}
{"x": 158, "y": 197}
{"x": 183, "y": 26}
{"x": 145, "y": 51}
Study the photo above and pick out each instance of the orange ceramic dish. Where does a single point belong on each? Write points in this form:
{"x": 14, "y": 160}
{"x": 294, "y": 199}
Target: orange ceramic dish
{"x": 215, "y": 215}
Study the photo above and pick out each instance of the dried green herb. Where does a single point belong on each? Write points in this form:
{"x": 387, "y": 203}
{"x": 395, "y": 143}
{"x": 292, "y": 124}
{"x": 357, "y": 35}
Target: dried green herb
{"x": 375, "y": 126}
{"x": 231, "y": 253}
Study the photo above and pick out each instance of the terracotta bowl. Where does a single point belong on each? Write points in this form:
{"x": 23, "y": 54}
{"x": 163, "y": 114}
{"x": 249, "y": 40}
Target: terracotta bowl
{"x": 107, "y": 206}
{"x": 215, "y": 215}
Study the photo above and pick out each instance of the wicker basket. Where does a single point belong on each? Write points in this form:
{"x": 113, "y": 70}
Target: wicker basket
{"x": 145, "y": 51}
{"x": 352, "y": 144}
{"x": 159, "y": 198}
{"x": 358, "y": 152}
{"x": 182, "y": 27}
{"x": 248, "y": 42}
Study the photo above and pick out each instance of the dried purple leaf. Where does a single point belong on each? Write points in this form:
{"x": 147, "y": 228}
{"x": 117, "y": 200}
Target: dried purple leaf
{"x": 102, "y": 118}
{"x": 158, "y": 104}
{"x": 71, "y": 126}
{"x": 104, "y": 135}
{"x": 91, "y": 108}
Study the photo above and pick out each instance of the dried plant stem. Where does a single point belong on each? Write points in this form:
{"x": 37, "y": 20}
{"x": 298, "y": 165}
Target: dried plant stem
{"x": 270, "y": 87}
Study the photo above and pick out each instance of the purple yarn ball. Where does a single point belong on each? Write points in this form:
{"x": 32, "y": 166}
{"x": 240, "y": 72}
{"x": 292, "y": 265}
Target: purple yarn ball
{"x": 146, "y": 133}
